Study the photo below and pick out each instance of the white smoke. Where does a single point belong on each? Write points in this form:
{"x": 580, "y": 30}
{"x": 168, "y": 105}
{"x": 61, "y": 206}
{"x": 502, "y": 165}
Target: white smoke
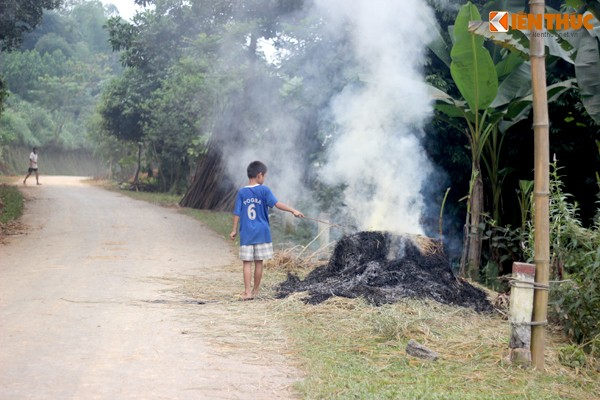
{"x": 375, "y": 148}
{"x": 377, "y": 151}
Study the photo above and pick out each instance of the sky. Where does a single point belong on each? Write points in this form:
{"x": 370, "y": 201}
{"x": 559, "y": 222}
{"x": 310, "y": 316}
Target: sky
{"x": 127, "y": 8}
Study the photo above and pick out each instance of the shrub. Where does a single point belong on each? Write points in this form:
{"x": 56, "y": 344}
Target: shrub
{"x": 575, "y": 256}
{"x": 11, "y": 203}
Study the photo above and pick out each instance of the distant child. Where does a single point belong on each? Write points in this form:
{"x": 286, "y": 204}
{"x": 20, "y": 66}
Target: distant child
{"x": 251, "y": 211}
{"x": 33, "y": 166}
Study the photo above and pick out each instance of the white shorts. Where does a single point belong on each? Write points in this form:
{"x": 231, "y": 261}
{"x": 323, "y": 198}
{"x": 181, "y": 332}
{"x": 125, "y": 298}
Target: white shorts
{"x": 261, "y": 251}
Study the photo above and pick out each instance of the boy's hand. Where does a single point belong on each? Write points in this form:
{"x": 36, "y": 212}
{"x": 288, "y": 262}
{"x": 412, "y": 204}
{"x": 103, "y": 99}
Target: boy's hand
{"x": 232, "y": 235}
{"x": 297, "y": 214}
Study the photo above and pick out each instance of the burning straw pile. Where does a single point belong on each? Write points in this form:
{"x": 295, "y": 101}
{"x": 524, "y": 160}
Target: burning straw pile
{"x": 382, "y": 268}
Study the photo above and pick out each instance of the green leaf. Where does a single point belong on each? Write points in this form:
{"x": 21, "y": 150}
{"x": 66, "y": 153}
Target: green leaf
{"x": 451, "y": 111}
{"x": 472, "y": 67}
{"x": 513, "y": 40}
{"x": 439, "y": 47}
{"x": 518, "y": 41}
{"x": 513, "y": 6}
{"x": 508, "y": 64}
{"x": 516, "y": 84}
{"x": 518, "y": 109}
{"x": 587, "y": 71}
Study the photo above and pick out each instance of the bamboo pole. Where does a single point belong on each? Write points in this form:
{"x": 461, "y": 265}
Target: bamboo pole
{"x": 541, "y": 189}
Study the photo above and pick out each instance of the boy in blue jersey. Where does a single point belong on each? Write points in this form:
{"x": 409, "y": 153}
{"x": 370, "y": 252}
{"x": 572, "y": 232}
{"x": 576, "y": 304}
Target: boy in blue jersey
{"x": 251, "y": 212}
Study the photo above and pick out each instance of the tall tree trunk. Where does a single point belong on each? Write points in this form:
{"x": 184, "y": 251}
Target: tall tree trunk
{"x": 465, "y": 248}
{"x": 136, "y": 178}
{"x": 475, "y": 234}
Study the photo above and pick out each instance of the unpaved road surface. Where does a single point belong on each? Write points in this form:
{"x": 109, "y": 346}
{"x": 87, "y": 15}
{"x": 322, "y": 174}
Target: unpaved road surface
{"x": 90, "y": 306}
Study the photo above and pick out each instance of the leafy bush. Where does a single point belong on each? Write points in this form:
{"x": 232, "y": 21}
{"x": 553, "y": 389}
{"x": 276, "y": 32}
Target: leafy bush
{"x": 572, "y": 356}
{"x": 575, "y": 256}
{"x": 11, "y": 202}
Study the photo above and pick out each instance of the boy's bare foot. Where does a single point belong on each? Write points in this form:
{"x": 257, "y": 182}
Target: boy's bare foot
{"x": 246, "y": 296}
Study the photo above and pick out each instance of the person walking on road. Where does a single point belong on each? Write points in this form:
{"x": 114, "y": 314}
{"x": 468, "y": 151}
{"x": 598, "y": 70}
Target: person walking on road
{"x": 33, "y": 167}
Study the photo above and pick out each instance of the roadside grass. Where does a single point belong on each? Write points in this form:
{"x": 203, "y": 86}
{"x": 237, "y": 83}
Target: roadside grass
{"x": 218, "y": 221}
{"x": 286, "y": 233}
{"x": 12, "y": 203}
{"x": 352, "y": 350}
{"x": 348, "y": 349}
{"x": 160, "y": 199}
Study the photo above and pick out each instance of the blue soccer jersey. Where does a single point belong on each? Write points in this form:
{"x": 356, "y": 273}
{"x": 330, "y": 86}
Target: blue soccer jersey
{"x": 252, "y": 206}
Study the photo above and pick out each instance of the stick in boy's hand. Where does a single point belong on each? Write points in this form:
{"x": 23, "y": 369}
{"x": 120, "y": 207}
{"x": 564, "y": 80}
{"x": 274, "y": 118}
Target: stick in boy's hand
{"x": 285, "y": 207}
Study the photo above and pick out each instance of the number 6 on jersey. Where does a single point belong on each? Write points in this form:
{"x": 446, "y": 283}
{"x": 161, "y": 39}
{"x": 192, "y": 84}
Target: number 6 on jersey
{"x": 252, "y": 211}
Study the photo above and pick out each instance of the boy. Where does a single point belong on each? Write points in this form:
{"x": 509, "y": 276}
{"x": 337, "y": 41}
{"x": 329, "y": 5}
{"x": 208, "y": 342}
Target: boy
{"x": 251, "y": 211}
{"x": 33, "y": 166}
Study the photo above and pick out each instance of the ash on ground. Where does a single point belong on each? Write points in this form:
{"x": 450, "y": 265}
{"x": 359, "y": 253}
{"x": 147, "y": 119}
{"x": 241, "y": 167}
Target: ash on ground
{"x": 382, "y": 268}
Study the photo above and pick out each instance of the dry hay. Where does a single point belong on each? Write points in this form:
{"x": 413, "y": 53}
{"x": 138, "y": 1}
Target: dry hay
{"x": 294, "y": 259}
{"x": 382, "y": 268}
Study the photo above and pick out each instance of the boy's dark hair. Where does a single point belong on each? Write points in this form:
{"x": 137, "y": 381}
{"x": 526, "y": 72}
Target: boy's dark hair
{"x": 255, "y": 168}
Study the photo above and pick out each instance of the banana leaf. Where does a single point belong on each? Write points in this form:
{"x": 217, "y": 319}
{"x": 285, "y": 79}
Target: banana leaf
{"x": 472, "y": 67}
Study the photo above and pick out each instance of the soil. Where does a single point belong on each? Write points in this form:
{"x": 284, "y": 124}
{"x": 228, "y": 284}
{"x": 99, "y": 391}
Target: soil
{"x": 92, "y": 305}
{"x": 382, "y": 268}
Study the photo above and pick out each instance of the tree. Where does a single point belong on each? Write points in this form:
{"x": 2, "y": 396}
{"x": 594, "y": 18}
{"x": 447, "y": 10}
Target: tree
{"x": 162, "y": 45}
{"x": 16, "y": 18}
{"x": 122, "y": 106}
{"x": 55, "y": 78}
{"x": 20, "y": 16}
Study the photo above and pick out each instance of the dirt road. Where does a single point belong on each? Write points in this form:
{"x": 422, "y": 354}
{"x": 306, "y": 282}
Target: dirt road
{"x": 90, "y": 306}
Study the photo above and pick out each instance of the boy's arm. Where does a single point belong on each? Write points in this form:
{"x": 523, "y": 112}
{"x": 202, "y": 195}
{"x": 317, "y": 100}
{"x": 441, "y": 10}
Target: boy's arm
{"x": 236, "y": 220}
{"x": 285, "y": 207}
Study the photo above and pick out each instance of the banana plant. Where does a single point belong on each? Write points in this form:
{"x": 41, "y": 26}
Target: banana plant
{"x": 578, "y": 47}
{"x": 494, "y": 98}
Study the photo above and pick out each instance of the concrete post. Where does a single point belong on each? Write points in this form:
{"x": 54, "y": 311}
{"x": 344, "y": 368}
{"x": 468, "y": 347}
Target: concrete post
{"x": 521, "y": 309}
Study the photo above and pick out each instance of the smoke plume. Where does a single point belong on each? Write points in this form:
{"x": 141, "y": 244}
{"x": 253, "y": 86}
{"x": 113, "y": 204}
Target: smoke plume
{"x": 374, "y": 147}
{"x": 377, "y": 151}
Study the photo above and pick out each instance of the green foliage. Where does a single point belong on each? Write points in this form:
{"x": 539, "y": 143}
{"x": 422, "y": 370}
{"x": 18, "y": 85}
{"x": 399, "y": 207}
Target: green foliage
{"x": 572, "y": 356}
{"x": 472, "y": 66}
{"x": 121, "y": 106}
{"x": 22, "y": 70}
{"x": 12, "y": 202}
{"x": 3, "y": 94}
{"x": 13, "y": 127}
{"x": 57, "y": 77}
{"x": 575, "y": 303}
{"x": 511, "y": 105}
{"x": 19, "y": 17}
{"x": 180, "y": 123}
{"x": 524, "y": 192}
{"x": 587, "y": 70}
{"x": 580, "y": 48}
{"x": 504, "y": 248}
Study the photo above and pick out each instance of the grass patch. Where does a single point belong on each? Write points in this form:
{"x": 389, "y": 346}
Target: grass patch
{"x": 160, "y": 199}
{"x": 285, "y": 233}
{"x": 352, "y": 350}
{"x": 218, "y": 221}
{"x": 12, "y": 203}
